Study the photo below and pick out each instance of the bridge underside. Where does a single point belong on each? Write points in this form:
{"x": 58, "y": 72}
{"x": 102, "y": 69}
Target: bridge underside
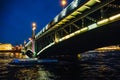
{"x": 96, "y": 38}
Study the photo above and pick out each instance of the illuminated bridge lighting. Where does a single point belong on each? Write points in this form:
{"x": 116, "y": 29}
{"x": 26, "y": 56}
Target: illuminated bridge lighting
{"x": 28, "y": 44}
{"x": 69, "y": 15}
{"x": 98, "y": 1}
{"x": 51, "y": 44}
{"x": 90, "y": 27}
{"x": 103, "y": 21}
{"x": 73, "y": 34}
{"x": 87, "y": 6}
{"x": 78, "y": 11}
{"x": 109, "y": 20}
{"x": 115, "y": 17}
{"x": 73, "y": 5}
{"x": 63, "y": 14}
{"x": 109, "y": 48}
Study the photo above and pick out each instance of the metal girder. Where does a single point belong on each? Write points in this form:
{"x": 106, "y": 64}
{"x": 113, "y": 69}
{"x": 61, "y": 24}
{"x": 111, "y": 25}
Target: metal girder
{"x": 90, "y": 18}
{"x": 83, "y": 22}
{"x": 65, "y": 31}
{"x": 70, "y": 27}
{"x": 76, "y": 26}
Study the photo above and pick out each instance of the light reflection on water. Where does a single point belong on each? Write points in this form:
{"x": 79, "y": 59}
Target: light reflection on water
{"x": 31, "y": 73}
{"x": 91, "y": 66}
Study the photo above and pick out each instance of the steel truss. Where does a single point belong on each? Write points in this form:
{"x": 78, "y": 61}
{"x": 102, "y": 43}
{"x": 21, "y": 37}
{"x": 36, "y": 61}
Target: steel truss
{"x": 92, "y": 15}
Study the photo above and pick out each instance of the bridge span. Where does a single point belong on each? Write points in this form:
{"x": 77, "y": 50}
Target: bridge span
{"x": 81, "y": 26}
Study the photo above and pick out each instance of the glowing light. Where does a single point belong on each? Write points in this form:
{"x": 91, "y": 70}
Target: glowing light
{"x": 79, "y": 56}
{"x": 63, "y": 38}
{"x": 64, "y": 20}
{"x": 43, "y": 30}
{"x": 46, "y": 27}
{"x": 5, "y": 47}
{"x": 33, "y": 26}
{"x": 46, "y": 47}
{"x": 102, "y": 21}
{"x": 60, "y": 40}
{"x": 63, "y": 3}
{"x": 64, "y": 12}
{"x": 30, "y": 39}
{"x": 87, "y": 6}
{"x": 74, "y": 4}
{"x": 76, "y": 13}
{"x": 77, "y": 32}
{"x": 98, "y": 1}
{"x": 115, "y": 17}
{"x": 92, "y": 26}
{"x": 56, "y": 18}
{"x": 68, "y": 36}
{"x": 72, "y": 34}
{"x": 84, "y": 29}
{"x": 70, "y": 16}
{"x": 56, "y": 40}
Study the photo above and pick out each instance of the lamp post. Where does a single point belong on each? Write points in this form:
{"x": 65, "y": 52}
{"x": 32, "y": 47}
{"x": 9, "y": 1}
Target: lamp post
{"x": 24, "y": 45}
{"x": 33, "y": 38}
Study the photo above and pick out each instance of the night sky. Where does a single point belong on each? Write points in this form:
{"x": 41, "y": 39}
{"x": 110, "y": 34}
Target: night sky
{"x": 16, "y": 17}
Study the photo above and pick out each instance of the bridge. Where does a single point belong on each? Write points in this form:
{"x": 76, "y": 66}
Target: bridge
{"x": 81, "y": 26}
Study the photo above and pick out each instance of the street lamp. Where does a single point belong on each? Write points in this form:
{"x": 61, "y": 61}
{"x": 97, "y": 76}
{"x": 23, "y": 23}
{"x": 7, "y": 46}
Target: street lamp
{"x": 33, "y": 38}
{"x": 33, "y": 30}
{"x": 63, "y": 3}
{"x": 33, "y": 26}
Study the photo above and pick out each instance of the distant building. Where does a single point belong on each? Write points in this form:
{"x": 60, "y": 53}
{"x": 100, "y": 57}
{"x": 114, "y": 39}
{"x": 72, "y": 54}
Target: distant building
{"x": 6, "y": 47}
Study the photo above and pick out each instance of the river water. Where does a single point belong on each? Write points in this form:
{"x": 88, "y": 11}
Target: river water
{"x": 90, "y": 66}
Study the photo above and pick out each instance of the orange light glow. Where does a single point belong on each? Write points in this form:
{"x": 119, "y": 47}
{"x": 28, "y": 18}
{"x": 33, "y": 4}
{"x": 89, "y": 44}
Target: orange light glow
{"x": 33, "y": 26}
{"x": 63, "y": 3}
{"x": 5, "y": 47}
